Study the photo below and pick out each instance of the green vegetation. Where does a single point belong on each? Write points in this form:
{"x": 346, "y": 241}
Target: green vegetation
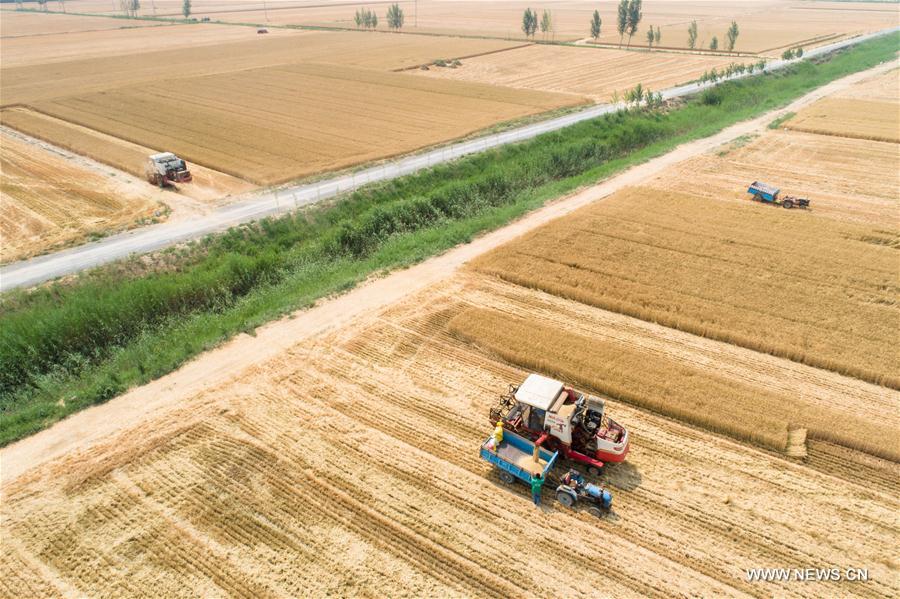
{"x": 783, "y": 118}
{"x": 67, "y": 346}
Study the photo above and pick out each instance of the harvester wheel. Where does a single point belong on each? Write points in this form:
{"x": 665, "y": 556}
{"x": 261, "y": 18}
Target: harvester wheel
{"x": 788, "y": 204}
{"x": 507, "y": 477}
{"x": 565, "y": 499}
{"x": 758, "y": 197}
{"x": 594, "y": 471}
{"x": 595, "y": 511}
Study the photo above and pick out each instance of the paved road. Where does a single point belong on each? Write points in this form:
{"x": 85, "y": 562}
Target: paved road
{"x": 147, "y": 239}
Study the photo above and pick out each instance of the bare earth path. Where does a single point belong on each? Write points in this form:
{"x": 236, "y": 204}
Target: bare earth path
{"x": 32, "y": 272}
{"x": 229, "y": 361}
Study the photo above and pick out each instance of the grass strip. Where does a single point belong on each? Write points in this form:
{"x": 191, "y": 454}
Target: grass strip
{"x": 70, "y": 345}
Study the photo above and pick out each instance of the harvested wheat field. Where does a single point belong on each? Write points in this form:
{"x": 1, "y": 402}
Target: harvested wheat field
{"x": 25, "y": 24}
{"x": 592, "y": 72}
{"x": 847, "y": 179}
{"x": 48, "y": 200}
{"x": 50, "y": 49}
{"x": 248, "y": 124}
{"x": 766, "y": 25}
{"x": 883, "y": 88}
{"x": 736, "y": 271}
{"x": 348, "y": 465}
{"x": 25, "y": 84}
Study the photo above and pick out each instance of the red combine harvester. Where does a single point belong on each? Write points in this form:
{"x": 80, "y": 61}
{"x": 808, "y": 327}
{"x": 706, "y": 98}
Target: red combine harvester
{"x": 167, "y": 169}
{"x": 560, "y": 419}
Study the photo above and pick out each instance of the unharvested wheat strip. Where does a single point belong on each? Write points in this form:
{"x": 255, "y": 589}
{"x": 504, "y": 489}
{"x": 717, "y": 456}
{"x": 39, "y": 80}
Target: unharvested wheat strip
{"x": 778, "y": 376}
{"x": 855, "y": 118}
{"x": 692, "y": 287}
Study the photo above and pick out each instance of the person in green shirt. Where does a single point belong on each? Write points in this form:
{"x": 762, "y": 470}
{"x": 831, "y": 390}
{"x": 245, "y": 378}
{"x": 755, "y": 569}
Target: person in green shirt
{"x": 536, "y": 483}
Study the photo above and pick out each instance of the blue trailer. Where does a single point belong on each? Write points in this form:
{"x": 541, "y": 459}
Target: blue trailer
{"x": 763, "y": 192}
{"x": 514, "y": 458}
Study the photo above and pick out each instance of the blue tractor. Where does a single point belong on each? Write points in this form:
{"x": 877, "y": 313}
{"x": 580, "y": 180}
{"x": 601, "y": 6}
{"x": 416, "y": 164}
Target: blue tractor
{"x": 765, "y": 193}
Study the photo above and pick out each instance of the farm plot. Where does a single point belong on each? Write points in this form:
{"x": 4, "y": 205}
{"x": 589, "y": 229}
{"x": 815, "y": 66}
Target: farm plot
{"x": 765, "y": 25}
{"x": 348, "y": 465}
{"x": 593, "y": 72}
{"x": 876, "y": 121}
{"x": 25, "y": 84}
{"x": 883, "y": 88}
{"x": 48, "y": 201}
{"x": 208, "y": 185}
{"x": 50, "y": 49}
{"x": 818, "y": 291}
{"x": 24, "y": 24}
{"x": 275, "y": 124}
{"x": 847, "y": 179}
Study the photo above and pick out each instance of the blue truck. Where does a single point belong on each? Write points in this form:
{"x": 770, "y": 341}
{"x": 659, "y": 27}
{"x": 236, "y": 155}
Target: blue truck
{"x": 769, "y": 194}
{"x": 514, "y": 460}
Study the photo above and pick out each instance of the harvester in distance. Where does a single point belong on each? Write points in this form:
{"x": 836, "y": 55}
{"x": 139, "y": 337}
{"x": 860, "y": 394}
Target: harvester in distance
{"x": 166, "y": 168}
{"x": 560, "y": 419}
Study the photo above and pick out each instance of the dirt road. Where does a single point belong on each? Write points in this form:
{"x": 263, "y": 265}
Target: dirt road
{"x": 32, "y": 272}
{"x": 227, "y": 362}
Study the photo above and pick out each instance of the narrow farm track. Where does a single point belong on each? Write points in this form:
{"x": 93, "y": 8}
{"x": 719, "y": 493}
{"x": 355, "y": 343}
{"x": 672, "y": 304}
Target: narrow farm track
{"x": 348, "y": 464}
{"x": 34, "y": 271}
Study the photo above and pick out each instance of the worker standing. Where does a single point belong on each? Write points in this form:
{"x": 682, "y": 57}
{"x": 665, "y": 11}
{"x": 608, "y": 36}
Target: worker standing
{"x": 536, "y": 483}
{"x": 498, "y": 435}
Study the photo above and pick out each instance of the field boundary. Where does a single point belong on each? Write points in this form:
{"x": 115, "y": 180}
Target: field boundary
{"x": 499, "y": 50}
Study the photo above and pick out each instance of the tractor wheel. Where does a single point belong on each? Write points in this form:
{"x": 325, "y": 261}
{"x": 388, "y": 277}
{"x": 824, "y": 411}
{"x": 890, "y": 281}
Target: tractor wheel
{"x": 595, "y": 511}
{"x": 507, "y": 477}
{"x": 565, "y": 499}
{"x": 788, "y": 204}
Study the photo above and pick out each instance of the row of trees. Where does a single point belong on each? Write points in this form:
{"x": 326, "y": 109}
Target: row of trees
{"x": 731, "y": 37}
{"x": 792, "y": 53}
{"x": 367, "y": 19}
{"x": 530, "y": 23}
{"x": 629, "y": 15}
{"x": 732, "y": 69}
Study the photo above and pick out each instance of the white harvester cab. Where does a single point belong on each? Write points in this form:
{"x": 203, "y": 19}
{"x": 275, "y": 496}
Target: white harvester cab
{"x": 166, "y": 168}
{"x": 548, "y": 396}
{"x": 571, "y": 422}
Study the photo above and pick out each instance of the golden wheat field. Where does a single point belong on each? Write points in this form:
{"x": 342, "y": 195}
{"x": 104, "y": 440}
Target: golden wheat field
{"x": 737, "y": 271}
{"x": 876, "y": 121}
{"x": 592, "y": 72}
{"x": 348, "y": 465}
{"x": 766, "y": 25}
{"x": 248, "y": 124}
